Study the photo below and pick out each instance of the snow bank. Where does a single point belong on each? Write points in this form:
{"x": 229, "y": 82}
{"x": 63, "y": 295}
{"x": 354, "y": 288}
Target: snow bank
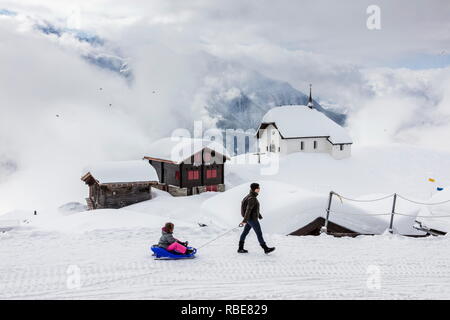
{"x": 370, "y": 170}
{"x": 437, "y": 216}
{"x": 286, "y": 208}
{"x": 381, "y": 209}
{"x": 102, "y": 219}
{"x": 15, "y": 219}
{"x": 71, "y": 208}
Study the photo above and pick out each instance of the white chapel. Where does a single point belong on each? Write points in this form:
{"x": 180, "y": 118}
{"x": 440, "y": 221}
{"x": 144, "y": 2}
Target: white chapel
{"x": 300, "y": 128}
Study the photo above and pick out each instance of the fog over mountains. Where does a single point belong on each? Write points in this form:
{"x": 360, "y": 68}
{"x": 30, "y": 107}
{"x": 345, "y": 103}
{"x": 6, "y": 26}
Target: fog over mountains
{"x": 239, "y": 99}
{"x": 104, "y": 84}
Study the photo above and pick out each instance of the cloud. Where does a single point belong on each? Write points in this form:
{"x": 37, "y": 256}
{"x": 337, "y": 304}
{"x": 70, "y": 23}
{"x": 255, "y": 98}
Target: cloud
{"x": 55, "y": 119}
{"x": 59, "y": 113}
{"x": 408, "y": 106}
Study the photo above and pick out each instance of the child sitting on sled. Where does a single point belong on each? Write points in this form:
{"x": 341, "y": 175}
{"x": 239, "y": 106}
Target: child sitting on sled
{"x": 168, "y": 242}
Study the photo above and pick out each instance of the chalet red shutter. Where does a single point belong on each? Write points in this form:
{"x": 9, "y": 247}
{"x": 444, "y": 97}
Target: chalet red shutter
{"x": 214, "y": 173}
{"x": 193, "y": 175}
{"x": 177, "y": 175}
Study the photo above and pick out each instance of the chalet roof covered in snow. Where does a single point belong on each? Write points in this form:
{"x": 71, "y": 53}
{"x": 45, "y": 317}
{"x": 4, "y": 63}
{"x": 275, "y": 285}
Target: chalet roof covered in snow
{"x": 300, "y": 121}
{"x": 121, "y": 172}
{"x": 177, "y": 149}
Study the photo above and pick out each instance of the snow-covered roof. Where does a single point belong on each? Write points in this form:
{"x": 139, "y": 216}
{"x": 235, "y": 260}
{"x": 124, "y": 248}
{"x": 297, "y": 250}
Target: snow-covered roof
{"x": 178, "y": 149}
{"x": 300, "y": 121}
{"x": 122, "y": 172}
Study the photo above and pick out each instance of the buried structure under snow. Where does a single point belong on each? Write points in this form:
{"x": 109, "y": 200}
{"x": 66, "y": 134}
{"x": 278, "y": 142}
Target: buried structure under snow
{"x": 161, "y": 253}
{"x": 314, "y": 229}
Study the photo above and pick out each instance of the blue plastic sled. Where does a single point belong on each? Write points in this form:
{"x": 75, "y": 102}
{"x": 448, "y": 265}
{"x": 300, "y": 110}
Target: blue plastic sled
{"x": 161, "y": 253}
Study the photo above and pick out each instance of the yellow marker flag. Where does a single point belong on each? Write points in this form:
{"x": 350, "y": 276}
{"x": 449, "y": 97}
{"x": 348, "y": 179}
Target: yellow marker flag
{"x": 431, "y": 180}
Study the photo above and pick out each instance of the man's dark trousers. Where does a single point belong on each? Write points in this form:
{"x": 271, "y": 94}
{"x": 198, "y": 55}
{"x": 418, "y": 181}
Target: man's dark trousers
{"x": 255, "y": 225}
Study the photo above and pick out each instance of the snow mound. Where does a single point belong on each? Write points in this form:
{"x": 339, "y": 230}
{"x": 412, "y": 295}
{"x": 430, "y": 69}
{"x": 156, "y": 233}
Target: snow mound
{"x": 72, "y": 207}
{"x": 123, "y": 171}
{"x": 15, "y": 219}
{"x": 286, "y": 208}
{"x": 102, "y": 219}
{"x": 301, "y": 121}
{"x": 437, "y": 215}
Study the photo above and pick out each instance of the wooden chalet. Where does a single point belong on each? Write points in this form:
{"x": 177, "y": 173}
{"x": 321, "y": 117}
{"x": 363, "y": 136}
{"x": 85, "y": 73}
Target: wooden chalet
{"x": 119, "y": 184}
{"x": 188, "y": 166}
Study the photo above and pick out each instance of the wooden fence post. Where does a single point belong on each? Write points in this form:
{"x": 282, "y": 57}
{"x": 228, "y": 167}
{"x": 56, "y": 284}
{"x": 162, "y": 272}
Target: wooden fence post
{"x": 330, "y": 198}
{"x": 391, "y": 224}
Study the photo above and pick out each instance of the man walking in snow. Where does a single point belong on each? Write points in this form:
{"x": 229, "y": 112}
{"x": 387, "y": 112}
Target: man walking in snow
{"x": 251, "y": 214}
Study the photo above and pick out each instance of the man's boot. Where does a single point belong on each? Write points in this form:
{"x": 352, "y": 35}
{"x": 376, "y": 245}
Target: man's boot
{"x": 241, "y": 248}
{"x": 267, "y": 249}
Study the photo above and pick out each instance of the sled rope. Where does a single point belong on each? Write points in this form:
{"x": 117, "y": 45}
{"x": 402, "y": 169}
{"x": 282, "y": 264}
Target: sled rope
{"x": 205, "y": 244}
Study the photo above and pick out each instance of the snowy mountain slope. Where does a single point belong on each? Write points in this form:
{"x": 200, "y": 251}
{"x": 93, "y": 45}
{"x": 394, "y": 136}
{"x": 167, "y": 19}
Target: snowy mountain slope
{"x": 240, "y": 98}
{"x": 378, "y": 169}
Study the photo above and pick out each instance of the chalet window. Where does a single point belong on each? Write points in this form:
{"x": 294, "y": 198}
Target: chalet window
{"x": 341, "y": 147}
{"x": 211, "y": 173}
{"x": 267, "y": 148}
{"x": 278, "y": 149}
{"x": 211, "y": 188}
{"x": 315, "y": 144}
{"x": 193, "y": 175}
{"x": 207, "y": 157}
{"x": 177, "y": 175}
{"x": 302, "y": 145}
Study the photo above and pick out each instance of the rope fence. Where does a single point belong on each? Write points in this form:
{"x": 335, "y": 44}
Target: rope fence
{"x": 364, "y": 200}
{"x": 393, "y": 212}
{"x": 423, "y": 203}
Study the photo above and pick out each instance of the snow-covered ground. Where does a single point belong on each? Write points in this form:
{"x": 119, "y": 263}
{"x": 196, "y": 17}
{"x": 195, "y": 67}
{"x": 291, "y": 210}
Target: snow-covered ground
{"x": 44, "y": 255}
{"x": 117, "y": 264}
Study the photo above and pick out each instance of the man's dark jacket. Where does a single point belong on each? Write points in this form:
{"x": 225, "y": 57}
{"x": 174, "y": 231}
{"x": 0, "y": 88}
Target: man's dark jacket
{"x": 250, "y": 207}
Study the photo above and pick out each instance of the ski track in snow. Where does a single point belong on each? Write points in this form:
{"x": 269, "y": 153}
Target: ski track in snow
{"x": 117, "y": 264}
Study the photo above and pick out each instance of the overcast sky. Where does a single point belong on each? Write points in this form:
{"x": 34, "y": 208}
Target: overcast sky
{"x": 393, "y": 82}
{"x": 334, "y": 29}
